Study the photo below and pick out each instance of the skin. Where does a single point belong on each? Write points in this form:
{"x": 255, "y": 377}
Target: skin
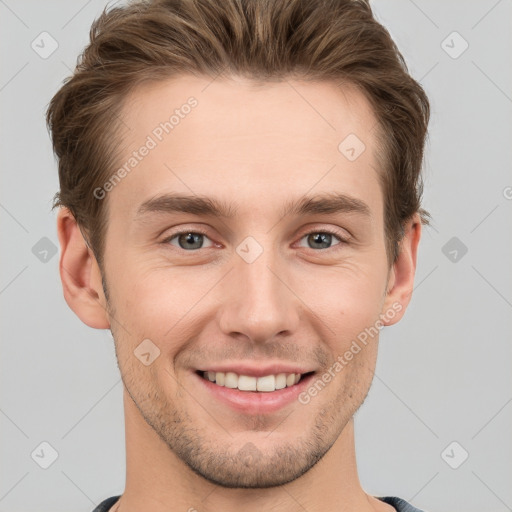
{"x": 255, "y": 146}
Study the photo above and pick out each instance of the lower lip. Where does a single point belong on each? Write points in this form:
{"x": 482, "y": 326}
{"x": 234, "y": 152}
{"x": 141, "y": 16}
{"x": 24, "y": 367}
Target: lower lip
{"x": 256, "y": 402}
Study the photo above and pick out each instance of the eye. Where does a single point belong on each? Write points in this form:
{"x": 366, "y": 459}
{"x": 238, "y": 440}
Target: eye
{"x": 193, "y": 240}
{"x": 322, "y": 239}
{"x": 188, "y": 240}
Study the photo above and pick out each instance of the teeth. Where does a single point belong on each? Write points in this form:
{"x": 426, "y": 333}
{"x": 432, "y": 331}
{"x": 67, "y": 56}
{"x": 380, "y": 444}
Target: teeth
{"x": 267, "y": 383}
{"x": 280, "y": 380}
{"x": 219, "y": 378}
{"x": 246, "y": 383}
{"x": 231, "y": 380}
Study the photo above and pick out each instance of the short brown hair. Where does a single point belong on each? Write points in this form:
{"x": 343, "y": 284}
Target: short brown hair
{"x": 333, "y": 40}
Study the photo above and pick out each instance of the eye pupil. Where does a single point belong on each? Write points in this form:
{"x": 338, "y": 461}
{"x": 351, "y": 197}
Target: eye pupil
{"x": 321, "y": 238}
{"x": 190, "y": 238}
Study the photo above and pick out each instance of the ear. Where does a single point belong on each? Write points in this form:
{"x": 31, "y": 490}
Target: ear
{"x": 80, "y": 274}
{"x": 401, "y": 275}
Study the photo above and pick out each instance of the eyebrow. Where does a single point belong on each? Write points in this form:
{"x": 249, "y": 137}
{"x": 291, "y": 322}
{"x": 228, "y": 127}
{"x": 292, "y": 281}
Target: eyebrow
{"x": 322, "y": 204}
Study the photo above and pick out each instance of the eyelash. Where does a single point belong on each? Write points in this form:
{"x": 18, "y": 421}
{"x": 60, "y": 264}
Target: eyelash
{"x": 343, "y": 239}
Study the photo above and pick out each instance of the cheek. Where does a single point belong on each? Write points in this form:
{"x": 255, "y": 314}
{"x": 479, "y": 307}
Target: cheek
{"x": 153, "y": 314}
{"x": 349, "y": 298}
{"x": 160, "y": 303}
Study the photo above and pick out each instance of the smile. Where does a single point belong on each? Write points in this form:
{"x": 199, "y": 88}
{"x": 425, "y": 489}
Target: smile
{"x": 250, "y": 395}
{"x": 266, "y": 383}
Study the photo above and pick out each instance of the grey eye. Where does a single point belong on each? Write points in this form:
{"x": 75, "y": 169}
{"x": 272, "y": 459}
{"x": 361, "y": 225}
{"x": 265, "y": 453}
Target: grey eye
{"x": 320, "y": 239}
{"x": 189, "y": 240}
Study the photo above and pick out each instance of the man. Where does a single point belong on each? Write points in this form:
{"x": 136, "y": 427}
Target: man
{"x": 240, "y": 206}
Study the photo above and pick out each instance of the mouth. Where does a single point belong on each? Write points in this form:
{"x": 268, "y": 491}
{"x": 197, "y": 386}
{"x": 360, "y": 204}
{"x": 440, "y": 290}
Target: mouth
{"x": 264, "y": 384}
{"x": 253, "y": 395}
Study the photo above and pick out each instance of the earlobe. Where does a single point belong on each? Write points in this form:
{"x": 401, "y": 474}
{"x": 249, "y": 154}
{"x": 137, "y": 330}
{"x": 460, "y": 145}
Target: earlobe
{"x": 401, "y": 276}
{"x": 80, "y": 274}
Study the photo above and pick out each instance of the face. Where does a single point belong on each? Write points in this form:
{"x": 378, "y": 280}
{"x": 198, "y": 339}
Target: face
{"x": 267, "y": 284}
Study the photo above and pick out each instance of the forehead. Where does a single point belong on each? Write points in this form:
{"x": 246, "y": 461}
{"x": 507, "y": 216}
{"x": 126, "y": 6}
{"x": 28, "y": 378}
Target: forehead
{"x": 319, "y": 109}
{"x": 237, "y": 138}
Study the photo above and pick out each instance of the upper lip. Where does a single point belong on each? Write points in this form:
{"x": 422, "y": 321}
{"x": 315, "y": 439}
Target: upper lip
{"x": 252, "y": 370}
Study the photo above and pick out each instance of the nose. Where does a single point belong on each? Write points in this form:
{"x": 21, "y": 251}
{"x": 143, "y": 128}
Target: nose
{"x": 258, "y": 300}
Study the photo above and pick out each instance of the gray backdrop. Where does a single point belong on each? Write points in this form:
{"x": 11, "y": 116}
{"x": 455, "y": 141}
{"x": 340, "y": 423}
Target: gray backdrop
{"x": 435, "y": 428}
